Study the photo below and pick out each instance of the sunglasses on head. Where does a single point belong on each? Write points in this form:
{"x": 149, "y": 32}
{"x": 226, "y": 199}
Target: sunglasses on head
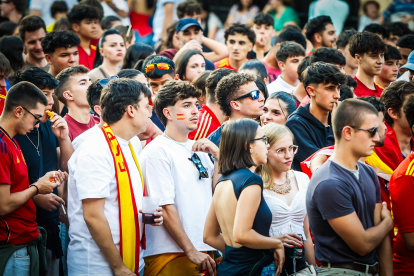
{"x": 371, "y": 131}
{"x": 197, "y": 162}
{"x": 255, "y": 94}
{"x": 104, "y": 82}
{"x": 160, "y": 66}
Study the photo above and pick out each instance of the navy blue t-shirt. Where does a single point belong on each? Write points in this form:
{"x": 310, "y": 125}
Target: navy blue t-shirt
{"x": 47, "y": 148}
{"x": 215, "y": 136}
{"x": 335, "y": 192}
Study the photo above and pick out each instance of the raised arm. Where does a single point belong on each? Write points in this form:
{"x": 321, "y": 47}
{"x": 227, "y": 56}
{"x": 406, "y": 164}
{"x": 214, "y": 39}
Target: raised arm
{"x": 219, "y": 50}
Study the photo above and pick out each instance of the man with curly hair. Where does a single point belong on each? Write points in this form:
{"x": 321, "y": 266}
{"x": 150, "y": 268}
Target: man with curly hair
{"x": 238, "y": 97}
{"x": 61, "y": 50}
{"x": 179, "y": 172}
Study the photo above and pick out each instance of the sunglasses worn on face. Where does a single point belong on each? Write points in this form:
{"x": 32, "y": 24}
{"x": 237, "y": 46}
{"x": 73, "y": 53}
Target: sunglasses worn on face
{"x": 197, "y": 162}
{"x": 265, "y": 139}
{"x": 104, "y": 82}
{"x": 160, "y": 66}
{"x": 371, "y": 131}
{"x": 255, "y": 94}
{"x": 37, "y": 120}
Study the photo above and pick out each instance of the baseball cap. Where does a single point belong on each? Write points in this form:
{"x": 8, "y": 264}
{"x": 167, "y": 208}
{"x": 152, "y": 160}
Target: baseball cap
{"x": 410, "y": 62}
{"x": 186, "y": 23}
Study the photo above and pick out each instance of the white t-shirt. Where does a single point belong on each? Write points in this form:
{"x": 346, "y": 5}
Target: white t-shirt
{"x": 280, "y": 85}
{"x": 44, "y": 7}
{"x": 169, "y": 175}
{"x": 82, "y": 137}
{"x": 159, "y": 16}
{"x": 120, "y": 4}
{"x": 92, "y": 175}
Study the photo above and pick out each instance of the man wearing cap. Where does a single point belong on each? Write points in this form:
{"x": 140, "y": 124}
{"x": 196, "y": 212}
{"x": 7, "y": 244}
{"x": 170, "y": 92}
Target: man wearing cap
{"x": 410, "y": 66}
{"x": 190, "y": 35}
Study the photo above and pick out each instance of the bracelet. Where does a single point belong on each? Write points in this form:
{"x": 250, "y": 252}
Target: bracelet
{"x": 34, "y": 185}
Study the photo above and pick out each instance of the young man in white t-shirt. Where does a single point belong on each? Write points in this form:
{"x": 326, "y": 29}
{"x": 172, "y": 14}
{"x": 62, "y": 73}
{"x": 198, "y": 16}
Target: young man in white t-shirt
{"x": 289, "y": 55}
{"x": 93, "y": 209}
{"x": 182, "y": 179}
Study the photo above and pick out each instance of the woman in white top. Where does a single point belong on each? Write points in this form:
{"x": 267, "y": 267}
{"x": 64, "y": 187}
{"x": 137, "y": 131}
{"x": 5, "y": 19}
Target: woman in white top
{"x": 112, "y": 49}
{"x": 285, "y": 194}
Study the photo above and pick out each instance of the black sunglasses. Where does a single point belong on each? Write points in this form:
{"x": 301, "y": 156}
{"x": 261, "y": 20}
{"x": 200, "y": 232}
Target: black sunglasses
{"x": 265, "y": 139}
{"x": 255, "y": 94}
{"x": 197, "y": 162}
{"x": 104, "y": 82}
{"x": 371, "y": 131}
{"x": 37, "y": 120}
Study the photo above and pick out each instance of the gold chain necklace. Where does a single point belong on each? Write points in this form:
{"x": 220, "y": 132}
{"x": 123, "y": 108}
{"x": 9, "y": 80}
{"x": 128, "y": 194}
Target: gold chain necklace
{"x": 284, "y": 188}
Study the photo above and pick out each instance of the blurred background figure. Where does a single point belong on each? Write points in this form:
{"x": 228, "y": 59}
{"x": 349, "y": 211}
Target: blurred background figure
{"x": 242, "y": 12}
{"x": 338, "y": 10}
{"x": 283, "y": 14}
{"x": 371, "y": 14}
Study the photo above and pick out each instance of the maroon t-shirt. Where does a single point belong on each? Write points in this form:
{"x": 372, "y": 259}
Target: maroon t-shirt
{"x": 76, "y": 128}
{"x": 362, "y": 91}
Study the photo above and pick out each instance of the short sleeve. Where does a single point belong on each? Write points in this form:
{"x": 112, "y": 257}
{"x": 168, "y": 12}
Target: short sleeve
{"x": 333, "y": 199}
{"x": 5, "y": 166}
{"x": 93, "y": 176}
{"x": 376, "y": 183}
{"x": 233, "y": 10}
{"x": 402, "y": 192}
{"x": 158, "y": 178}
{"x": 253, "y": 179}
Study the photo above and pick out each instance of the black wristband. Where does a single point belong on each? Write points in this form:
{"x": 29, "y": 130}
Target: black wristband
{"x": 34, "y": 185}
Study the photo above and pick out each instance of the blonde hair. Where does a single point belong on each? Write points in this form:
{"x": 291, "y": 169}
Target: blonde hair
{"x": 274, "y": 132}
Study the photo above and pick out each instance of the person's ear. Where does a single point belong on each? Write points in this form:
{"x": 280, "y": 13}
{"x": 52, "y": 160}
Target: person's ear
{"x": 358, "y": 58}
{"x": 310, "y": 90}
{"x": 281, "y": 65}
{"x": 98, "y": 110}
{"x": 235, "y": 105}
{"x": 48, "y": 58}
{"x": 168, "y": 114}
{"x": 393, "y": 114}
{"x": 177, "y": 77}
{"x": 318, "y": 38}
{"x": 67, "y": 95}
{"x": 75, "y": 27}
{"x": 18, "y": 112}
{"x": 347, "y": 133}
{"x": 101, "y": 52}
{"x": 130, "y": 111}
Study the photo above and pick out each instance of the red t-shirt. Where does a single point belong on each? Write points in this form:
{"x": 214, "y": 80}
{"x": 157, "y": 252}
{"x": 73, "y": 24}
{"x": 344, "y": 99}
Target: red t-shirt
{"x": 272, "y": 72}
{"x": 3, "y": 94}
{"x": 362, "y": 91}
{"x": 207, "y": 123}
{"x": 76, "y": 128}
{"x": 85, "y": 59}
{"x": 21, "y": 223}
{"x": 224, "y": 63}
{"x": 402, "y": 193}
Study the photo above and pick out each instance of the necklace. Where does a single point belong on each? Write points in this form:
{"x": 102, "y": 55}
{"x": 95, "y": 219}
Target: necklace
{"x": 178, "y": 143}
{"x": 282, "y": 188}
{"x": 38, "y": 141}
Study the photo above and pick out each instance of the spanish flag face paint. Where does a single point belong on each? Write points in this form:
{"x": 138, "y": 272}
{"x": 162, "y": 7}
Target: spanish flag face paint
{"x": 180, "y": 117}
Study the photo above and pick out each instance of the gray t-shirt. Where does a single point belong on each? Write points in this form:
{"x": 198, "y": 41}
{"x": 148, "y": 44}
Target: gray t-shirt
{"x": 336, "y": 192}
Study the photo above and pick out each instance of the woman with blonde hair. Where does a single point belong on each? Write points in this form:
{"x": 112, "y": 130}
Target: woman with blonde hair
{"x": 285, "y": 194}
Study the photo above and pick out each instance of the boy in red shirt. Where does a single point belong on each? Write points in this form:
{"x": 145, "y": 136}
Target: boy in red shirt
{"x": 84, "y": 20}
{"x": 239, "y": 41}
{"x": 402, "y": 191}
{"x": 368, "y": 49}
{"x": 24, "y": 108}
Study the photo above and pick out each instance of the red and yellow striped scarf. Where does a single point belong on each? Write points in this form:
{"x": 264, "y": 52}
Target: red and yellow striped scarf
{"x": 128, "y": 213}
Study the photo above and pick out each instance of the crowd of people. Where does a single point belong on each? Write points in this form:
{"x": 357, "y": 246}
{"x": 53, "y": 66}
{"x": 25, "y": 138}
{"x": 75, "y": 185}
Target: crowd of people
{"x": 268, "y": 149}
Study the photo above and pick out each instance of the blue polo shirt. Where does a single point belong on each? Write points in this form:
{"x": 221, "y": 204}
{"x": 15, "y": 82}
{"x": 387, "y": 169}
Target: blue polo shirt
{"x": 333, "y": 192}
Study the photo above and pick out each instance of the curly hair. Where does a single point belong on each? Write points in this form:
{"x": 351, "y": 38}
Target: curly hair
{"x": 240, "y": 29}
{"x": 82, "y": 11}
{"x": 321, "y": 72}
{"x": 366, "y": 42}
{"x": 37, "y": 76}
{"x": 170, "y": 94}
{"x": 59, "y": 39}
{"x": 213, "y": 80}
{"x": 228, "y": 87}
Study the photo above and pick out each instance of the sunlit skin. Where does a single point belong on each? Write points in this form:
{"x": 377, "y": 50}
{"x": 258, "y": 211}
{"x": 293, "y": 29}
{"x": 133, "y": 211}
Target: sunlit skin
{"x": 196, "y": 64}
{"x": 273, "y": 112}
{"x": 62, "y": 58}
{"x": 238, "y": 46}
{"x": 113, "y": 48}
{"x": 79, "y": 84}
{"x": 188, "y": 110}
{"x": 327, "y": 38}
{"x": 326, "y": 95}
{"x": 290, "y": 69}
{"x": 389, "y": 73}
{"x": 193, "y": 32}
{"x": 248, "y": 107}
{"x": 371, "y": 63}
{"x": 32, "y": 44}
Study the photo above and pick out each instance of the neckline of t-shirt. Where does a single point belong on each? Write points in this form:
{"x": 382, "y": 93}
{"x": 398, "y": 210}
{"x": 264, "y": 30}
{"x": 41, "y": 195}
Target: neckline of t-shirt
{"x": 352, "y": 171}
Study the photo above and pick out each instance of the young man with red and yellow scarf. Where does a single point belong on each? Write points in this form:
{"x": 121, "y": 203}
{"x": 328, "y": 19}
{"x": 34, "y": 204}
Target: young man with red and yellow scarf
{"x": 106, "y": 188}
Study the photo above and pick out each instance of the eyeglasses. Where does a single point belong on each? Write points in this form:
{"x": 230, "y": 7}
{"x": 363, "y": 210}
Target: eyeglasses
{"x": 104, "y": 82}
{"x": 160, "y": 66}
{"x": 255, "y": 94}
{"x": 201, "y": 169}
{"x": 371, "y": 131}
{"x": 264, "y": 138}
{"x": 293, "y": 149}
{"x": 37, "y": 119}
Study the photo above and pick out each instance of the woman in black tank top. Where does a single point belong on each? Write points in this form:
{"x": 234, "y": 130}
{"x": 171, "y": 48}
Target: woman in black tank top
{"x": 247, "y": 246}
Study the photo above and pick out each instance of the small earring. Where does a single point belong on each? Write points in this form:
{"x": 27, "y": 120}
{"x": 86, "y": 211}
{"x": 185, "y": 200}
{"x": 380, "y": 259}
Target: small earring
{"x": 251, "y": 151}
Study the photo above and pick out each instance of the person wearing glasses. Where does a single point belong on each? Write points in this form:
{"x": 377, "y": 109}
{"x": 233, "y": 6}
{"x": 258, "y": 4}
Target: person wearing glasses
{"x": 284, "y": 191}
{"x": 311, "y": 124}
{"x": 239, "y": 218}
{"x": 278, "y": 108}
{"x": 238, "y": 97}
{"x": 349, "y": 223}
{"x": 180, "y": 172}
{"x": 112, "y": 50}
{"x": 19, "y": 233}
{"x": 71, "y": 91}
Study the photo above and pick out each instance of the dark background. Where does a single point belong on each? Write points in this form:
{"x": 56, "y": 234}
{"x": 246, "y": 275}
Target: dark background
{"x": 301, "y": 7}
